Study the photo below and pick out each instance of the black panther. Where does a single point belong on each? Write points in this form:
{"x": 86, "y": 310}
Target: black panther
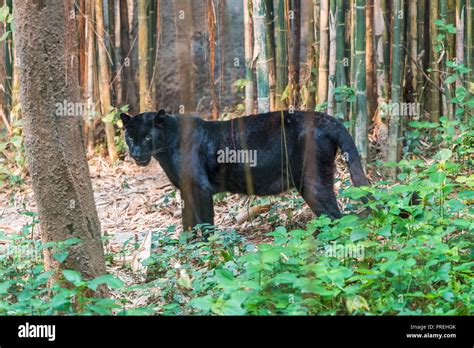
{"x": 262, "y": 154}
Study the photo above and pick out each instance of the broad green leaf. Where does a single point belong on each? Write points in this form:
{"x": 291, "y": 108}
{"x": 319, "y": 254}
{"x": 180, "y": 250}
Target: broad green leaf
{"x": 72, "y": 276}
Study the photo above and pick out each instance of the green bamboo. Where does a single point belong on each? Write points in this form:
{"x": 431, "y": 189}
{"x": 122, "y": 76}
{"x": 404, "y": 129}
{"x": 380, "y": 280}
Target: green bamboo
{"x": 317, "y": 44}
{"x": 413, "y": 46}
{"x": 8, "y": 61}
{"x": 470, "y": 39}
{"x": 332, "y": 56}
{"x": 281, "y": 53}
{"x": 294, "y": 52}
{"x": 248, "y": 46}
{"x": 263, "y": 90}
{"x": 360, "y": 81}
{"x": 397, "y": 69}
{"x": 341, "y": 105}
{"x": 386, "y": 46}
{"x": 421, "y": 47}
{"x": 446, "y": 97}
{"x": 433, "y": 104}
{"x": 310, "y": 60}
{"x": 143, "y": 57}
{"x": 270, "y": 47}
{"x": 470, "y": 49}
{"x": 451, "y": 19}
{"x": 323, "y": 53}
{"x": 460, "y": 14}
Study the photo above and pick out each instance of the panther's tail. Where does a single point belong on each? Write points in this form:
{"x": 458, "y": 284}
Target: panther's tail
{"x": 351, "y": 156}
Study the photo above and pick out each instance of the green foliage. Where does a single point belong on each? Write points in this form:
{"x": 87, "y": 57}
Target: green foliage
{"x": 113, "y": 116}
{"x": 25, "y": 287}
{"x": 12, "y": 157}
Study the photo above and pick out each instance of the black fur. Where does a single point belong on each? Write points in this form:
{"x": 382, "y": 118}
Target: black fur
{"x": 301, "y": 154}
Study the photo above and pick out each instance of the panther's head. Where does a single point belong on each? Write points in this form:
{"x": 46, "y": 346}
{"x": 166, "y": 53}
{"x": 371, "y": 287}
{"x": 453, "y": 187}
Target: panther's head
{"x": 145, "y": 135}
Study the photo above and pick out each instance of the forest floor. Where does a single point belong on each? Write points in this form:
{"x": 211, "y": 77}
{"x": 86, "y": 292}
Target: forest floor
{"x": 132, "y": 201}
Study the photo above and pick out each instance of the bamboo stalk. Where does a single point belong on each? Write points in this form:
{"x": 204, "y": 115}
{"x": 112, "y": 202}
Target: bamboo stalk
{"x": 386, "y": 45}
{"x": 310, "y": 60}
{"x": 460, "y": 13}
{"x": 369, "y": 57}
{"x": 248, "y": 47}
{"x": 360, "y": 138}
{"x": 143, "y": 57}
{"x": 451, "y": 19}
{"x": 413, "y": 45}
{"x": 434, "y": 95}
{"x": 317, "y": 46}
{"x": 281, "y": 53}
{"x": 470, "y": 51}
{"x": 89, "y": 32}
{"x": 211, "y": 23}
{"x": 341, "y": 106}
{"x": 397, "y": 68}
{"x": 8, "y": 62}
{"x": 323, "y": 53}
{"x": 421, "y": 50}
{"x": 294, "y": 51}
{"x": 104, "y": 79}
{"x": 332, "y": 56}
{"x": 118, "y": 53}
{"x": 379, "y": 24}
{"x": 263, "y": 92}
{"x": 270, "y": 47}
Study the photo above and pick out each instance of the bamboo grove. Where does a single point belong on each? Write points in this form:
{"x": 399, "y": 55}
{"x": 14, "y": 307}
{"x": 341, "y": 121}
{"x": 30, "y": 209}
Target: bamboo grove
{"x": 368, "y": 62}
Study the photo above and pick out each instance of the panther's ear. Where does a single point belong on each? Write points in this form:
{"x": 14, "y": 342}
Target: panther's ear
{"x": 125, "y": 119}
{"x": 159, "y": 118}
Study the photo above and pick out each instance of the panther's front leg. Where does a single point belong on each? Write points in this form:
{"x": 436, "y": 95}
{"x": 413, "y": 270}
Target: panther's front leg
{"x": 197, "y": 206}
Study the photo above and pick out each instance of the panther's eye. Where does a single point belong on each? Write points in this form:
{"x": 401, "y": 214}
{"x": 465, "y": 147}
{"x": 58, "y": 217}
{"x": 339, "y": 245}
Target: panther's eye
{"x": 147, "y": 137}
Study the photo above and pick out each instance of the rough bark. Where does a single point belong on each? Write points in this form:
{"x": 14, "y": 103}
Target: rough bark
{"x": 54, "y": 144}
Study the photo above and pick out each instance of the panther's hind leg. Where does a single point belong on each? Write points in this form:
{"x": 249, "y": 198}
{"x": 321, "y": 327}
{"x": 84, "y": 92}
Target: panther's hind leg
{"x": 321, "y": 200}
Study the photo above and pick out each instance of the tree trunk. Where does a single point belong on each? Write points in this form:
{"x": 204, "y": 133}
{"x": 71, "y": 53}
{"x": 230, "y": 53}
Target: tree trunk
{"x": 104, "y": 79}
{"x": 248, "y": 43}
{"x": 54, "y": 141}
{"x": 260, "y": 51}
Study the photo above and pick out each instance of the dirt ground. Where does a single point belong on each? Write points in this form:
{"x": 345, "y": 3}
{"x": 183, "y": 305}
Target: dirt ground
{"x": 132, "y": 200}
